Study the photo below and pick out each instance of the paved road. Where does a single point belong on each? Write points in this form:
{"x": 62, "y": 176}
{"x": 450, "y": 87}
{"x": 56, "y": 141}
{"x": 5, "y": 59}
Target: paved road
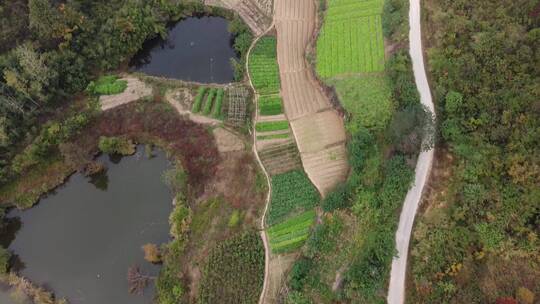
{"x": 396, "y": 289}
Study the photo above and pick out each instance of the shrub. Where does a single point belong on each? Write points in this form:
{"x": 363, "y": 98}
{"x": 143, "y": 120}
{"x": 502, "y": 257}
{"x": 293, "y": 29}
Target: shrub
{"x": 299, "y": 273}
{"x": 116, "y": 145}
{"x": 4, "y": 260}
{"x": 339, "y": 198}
{"x": 234, "y": 271}
{"x": 151, "y": 253}
{"x": 176, "y": 179}
{"x": 234, "y": 220}
{"x": 107, "y": 85}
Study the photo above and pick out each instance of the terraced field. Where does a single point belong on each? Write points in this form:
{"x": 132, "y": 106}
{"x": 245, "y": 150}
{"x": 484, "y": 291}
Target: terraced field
{"x": 255, "y": 13}
{"x": 351, "y": 39}
{"x": 292, "y": 233}
{"x": 318, "y": 129}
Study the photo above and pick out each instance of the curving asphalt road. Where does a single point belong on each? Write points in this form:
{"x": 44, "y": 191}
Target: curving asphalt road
{"x": 396, "y": 289}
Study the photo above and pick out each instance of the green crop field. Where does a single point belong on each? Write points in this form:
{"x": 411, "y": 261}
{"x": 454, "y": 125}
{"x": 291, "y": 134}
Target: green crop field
{"x": 270, "y": 105}
{"x": 291, "y": 192}
{"x": 351, "y": 39}
{"x": 268, "y": 126}
{"x": 216, "y": 112}
{"x": 263, "y": 67}
{"x": 292, "y": 233}
{"x": 198, "y": 100}
{"x": 209, "y": 101}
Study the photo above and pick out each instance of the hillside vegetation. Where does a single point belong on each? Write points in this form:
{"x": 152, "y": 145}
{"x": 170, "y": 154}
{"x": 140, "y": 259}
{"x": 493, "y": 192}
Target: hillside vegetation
{"x": 347, "y": 258}
{"x": 477, "y": 242}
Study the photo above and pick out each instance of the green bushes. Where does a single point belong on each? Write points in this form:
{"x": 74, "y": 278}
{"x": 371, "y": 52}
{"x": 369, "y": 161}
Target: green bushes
{"x": 51, "y": 135}
{"x": 234, "y": 271}
{"x": 270, "y": 105}
{"x": 268, "y": 126}
{"x": 291, "y": 192}
{"x": 199, "y": 100}
{"x": 116, "y": 145}
{"x": 107, "y": 85}
{"x": 292, "y": 233}
{"x": 216, "y": 112}
{"x": 368, "y": 99}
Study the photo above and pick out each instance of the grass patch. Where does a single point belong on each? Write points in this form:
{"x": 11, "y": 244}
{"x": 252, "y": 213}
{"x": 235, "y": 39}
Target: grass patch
{"x": 269, "y": 126}
{"x": 368, "y": 98}
{"x": 107, "y": 85}
{"x": 292, "y": 233}
{"x": 270, "y": 105}
{"x": 291, "y": 192}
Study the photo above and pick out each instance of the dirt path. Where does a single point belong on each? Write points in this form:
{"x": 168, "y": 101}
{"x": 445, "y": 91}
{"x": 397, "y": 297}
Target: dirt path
{"x": 317, "y": 127}
{"x": 396, "y": 289}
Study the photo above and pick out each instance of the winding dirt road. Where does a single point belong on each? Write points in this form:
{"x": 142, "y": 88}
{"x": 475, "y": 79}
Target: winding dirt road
{"x": 396, "y": 289}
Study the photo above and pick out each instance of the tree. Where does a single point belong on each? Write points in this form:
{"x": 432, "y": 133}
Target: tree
{"x": 31, "y": 76}
{"x": 44, "y": 19}
{"x": 137, "y": 281}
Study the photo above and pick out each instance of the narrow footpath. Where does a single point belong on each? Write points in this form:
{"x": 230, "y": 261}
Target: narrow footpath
{"x": 396, "y": 289}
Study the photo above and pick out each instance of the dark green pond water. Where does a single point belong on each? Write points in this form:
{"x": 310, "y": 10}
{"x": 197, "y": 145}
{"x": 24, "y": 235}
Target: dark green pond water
{"x": 80, "y": 240}
{"x": 196, "y": 49}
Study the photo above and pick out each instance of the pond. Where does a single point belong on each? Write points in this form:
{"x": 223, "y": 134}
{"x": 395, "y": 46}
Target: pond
{"x": 196, "y": 49}
{"x": 80, "y": 240}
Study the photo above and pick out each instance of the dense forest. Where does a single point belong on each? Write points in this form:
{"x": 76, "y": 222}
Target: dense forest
{"x": 50, "y": 50}
{"x": 477, "y": 241}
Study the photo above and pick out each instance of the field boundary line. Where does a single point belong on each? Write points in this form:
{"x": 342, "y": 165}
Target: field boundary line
{"x": 263, "y": 233}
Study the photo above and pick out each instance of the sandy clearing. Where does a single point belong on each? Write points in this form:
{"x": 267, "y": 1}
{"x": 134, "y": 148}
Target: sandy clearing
{"x": 396, "y": 288}
{"x": 316, "y": 126}
{"x": 136, "y": 89}
{"x": 227, "y": 141}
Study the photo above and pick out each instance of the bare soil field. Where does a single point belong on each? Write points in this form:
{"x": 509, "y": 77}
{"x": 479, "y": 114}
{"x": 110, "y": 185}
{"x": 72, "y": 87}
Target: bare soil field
{"x": 255, "y": 13}
{"x": 317, "y": 127}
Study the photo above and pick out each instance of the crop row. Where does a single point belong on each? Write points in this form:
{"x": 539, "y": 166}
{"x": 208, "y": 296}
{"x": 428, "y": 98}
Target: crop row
{"x": 352, "y": 43}
{"x": 291, "y": 234}
{"x": 291, "y": 192}
{"x": 213, "y": 104}
{"x": 270, "y": 105}
{"x": 269, "y": 126}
